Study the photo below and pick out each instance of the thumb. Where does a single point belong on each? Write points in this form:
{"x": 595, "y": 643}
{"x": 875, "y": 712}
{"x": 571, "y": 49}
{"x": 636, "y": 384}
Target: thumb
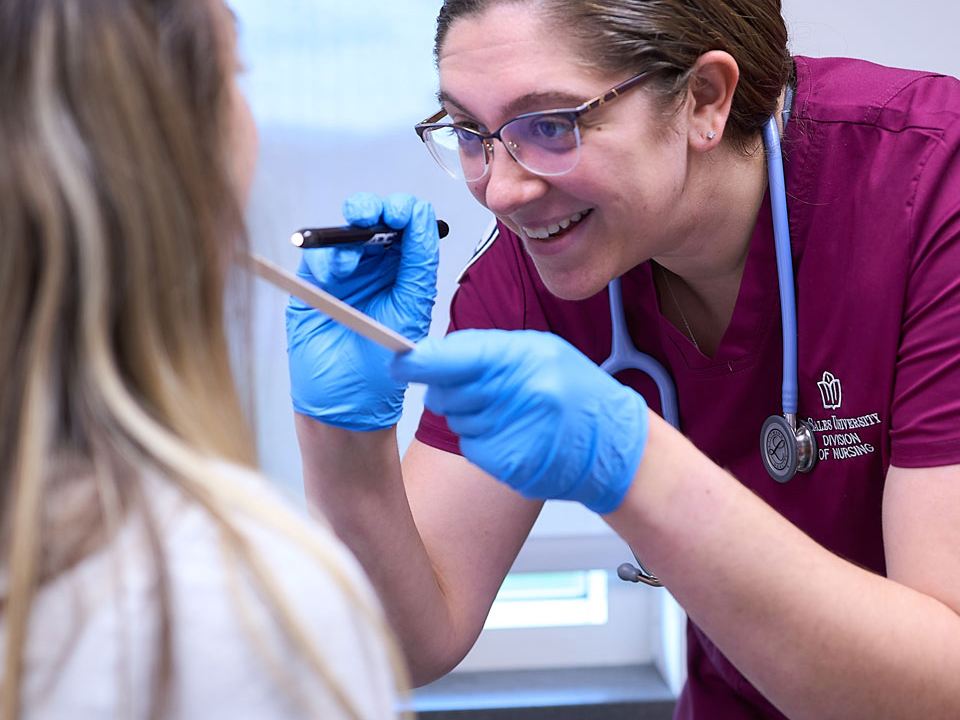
{"x": 321, "y": 266}
{"x": 344, "y": 260}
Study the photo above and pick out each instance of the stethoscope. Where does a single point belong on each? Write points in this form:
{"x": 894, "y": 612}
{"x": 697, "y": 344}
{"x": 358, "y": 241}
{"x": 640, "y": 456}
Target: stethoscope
{"x": 787, "y": 445}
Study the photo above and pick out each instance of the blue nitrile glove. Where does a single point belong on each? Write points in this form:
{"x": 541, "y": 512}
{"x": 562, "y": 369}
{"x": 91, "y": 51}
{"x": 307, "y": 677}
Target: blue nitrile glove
{"x": 534, "y": 412}
{"x": 336, "y": 375}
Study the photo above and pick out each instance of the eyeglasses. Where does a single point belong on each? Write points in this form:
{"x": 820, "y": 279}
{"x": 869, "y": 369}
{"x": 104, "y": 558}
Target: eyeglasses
{"x": 545, "y": 143}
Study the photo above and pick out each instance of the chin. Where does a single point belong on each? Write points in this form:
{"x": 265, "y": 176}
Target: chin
{"x": 574, "y": 285}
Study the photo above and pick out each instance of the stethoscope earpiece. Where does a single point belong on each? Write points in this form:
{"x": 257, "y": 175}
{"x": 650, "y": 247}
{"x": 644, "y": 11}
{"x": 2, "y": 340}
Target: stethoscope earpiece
{"x": 631, "y": 573}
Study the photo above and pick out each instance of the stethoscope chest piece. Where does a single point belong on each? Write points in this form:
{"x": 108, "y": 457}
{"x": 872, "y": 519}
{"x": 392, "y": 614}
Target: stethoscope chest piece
{"x": 787, "y": 447}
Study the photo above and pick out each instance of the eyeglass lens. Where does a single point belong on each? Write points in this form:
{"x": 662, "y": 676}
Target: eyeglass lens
{"x": 547, "y": 144}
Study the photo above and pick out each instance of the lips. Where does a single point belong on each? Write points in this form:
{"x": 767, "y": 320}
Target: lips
{"x": 554, "y": 230}
{"x": 561, "y": 243}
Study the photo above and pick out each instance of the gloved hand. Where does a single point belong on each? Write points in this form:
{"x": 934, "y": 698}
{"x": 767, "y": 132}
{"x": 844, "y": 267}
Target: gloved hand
{"x": 336, "y": 375}
{"x": 534, "y": 412}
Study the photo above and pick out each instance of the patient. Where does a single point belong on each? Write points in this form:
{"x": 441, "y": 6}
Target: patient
{"x": 146, "y": 569}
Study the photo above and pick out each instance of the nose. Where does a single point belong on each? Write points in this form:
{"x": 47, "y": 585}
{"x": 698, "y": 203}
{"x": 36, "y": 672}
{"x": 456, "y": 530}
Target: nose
{"x": 507, "y": 184}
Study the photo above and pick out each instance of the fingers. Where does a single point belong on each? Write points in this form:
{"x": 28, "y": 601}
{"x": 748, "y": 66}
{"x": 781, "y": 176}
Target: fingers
{"x": 468, "y": 355}
{"x": 366, "y": 209}
{"x": 419, "y": 254}
{"x": 363, "y": 209}
{"x": 454, "y": 360}
{"x": 398, "y": 209}
{"x": 417, "y": 272}
{"x": 460, "y": 401}
{"x": 326, "y": 265}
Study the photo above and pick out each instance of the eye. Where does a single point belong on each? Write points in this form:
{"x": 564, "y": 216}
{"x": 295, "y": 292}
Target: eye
{"x": 465, "y": 121}
{"x": 466, "y": 133}
{"x": 468, "y": 142}
{"x": 551, "y": 127}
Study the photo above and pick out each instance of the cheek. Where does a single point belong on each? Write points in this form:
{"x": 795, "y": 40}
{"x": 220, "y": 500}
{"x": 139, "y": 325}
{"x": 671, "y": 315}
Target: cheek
{"x": 479, "y": 190}
{"x": 244, "y": 144}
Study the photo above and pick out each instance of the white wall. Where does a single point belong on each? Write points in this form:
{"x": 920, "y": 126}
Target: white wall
{"x": 336, "y": 88}
{"x": 921, "y": 35}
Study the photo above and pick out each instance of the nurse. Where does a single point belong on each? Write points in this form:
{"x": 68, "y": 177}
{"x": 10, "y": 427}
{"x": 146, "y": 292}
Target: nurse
{"x": 835, "y": 594}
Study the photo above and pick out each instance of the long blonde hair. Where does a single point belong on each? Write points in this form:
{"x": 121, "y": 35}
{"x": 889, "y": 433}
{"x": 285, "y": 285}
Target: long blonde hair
{"x": 119, "y": 223}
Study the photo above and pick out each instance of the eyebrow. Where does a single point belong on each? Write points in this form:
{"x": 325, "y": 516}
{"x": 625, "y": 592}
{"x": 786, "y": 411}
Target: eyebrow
{"x": 550, "y": 100}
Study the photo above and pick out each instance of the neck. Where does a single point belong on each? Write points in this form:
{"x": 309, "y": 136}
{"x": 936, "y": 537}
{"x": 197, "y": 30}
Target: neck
{"x": 699, "y": 282}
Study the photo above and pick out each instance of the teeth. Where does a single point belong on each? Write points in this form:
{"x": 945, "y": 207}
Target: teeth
{"x": 542, "y": 233}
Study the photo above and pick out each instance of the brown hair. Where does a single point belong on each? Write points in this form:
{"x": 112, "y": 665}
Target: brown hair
{"x": 632, "y": 36}
{"x": 119, "y": 224}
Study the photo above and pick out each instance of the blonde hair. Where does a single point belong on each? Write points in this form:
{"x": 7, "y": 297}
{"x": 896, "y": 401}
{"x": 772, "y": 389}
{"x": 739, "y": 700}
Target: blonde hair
{"x": 119, "y": 223}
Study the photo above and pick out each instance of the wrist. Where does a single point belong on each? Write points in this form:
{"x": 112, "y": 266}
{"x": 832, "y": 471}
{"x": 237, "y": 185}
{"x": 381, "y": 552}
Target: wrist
{"x": 354, "y": 410}
{"x": 622, "y": 457}
{"x": 326, "y": 437}
{"x": 666, "y": 456}
{"x": 342, "y": 462}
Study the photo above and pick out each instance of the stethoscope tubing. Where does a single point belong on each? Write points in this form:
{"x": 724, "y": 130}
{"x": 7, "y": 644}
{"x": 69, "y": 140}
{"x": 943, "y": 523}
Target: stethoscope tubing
{"x": 781, "y": 238}
{"x": 625, "y": 356}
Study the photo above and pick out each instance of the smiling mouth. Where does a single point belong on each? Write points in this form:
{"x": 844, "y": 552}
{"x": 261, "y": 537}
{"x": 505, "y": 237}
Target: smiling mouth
{"x": 555, "y": 230}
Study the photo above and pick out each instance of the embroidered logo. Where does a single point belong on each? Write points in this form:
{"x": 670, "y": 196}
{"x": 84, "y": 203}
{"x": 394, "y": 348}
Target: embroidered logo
{"x": 830, "y": 391}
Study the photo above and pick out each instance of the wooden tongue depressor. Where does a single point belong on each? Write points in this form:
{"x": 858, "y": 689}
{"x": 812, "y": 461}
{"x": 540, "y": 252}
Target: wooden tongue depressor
{"x": 332, "y": 306}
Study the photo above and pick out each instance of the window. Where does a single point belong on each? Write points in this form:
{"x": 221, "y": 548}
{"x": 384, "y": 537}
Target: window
{"x": 557, "y": 599}
{"x": 568, "y": 567}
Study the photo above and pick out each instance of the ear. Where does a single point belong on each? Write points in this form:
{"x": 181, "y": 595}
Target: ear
{"x": 710, "y": 94}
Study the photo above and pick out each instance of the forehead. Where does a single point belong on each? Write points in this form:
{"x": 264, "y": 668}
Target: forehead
{"x": 507, "y": 54}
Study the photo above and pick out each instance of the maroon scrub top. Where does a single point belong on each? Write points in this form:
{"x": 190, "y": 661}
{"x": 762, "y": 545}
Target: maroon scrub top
{"x": 872, "y": 169}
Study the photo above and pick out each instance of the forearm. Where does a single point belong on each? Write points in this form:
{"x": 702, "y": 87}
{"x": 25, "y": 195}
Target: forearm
{"x": 355, "y": 480}
{"x": 819, "y": 636}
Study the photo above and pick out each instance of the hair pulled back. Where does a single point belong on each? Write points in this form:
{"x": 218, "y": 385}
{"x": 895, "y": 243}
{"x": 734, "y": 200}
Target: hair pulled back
{"x": 632, "y": 36}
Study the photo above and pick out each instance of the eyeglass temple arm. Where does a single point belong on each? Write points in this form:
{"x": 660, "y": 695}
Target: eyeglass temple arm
{"x": 419, "y": 127}
{"x": 614, "y": 92}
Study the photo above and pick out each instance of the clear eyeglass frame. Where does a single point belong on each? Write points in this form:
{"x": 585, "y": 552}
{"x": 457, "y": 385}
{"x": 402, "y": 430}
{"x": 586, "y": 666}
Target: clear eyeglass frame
{"x": 450, "y": 159}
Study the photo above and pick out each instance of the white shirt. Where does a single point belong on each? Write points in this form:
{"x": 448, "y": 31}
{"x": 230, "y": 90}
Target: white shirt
{"x": 92, "y": 644}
